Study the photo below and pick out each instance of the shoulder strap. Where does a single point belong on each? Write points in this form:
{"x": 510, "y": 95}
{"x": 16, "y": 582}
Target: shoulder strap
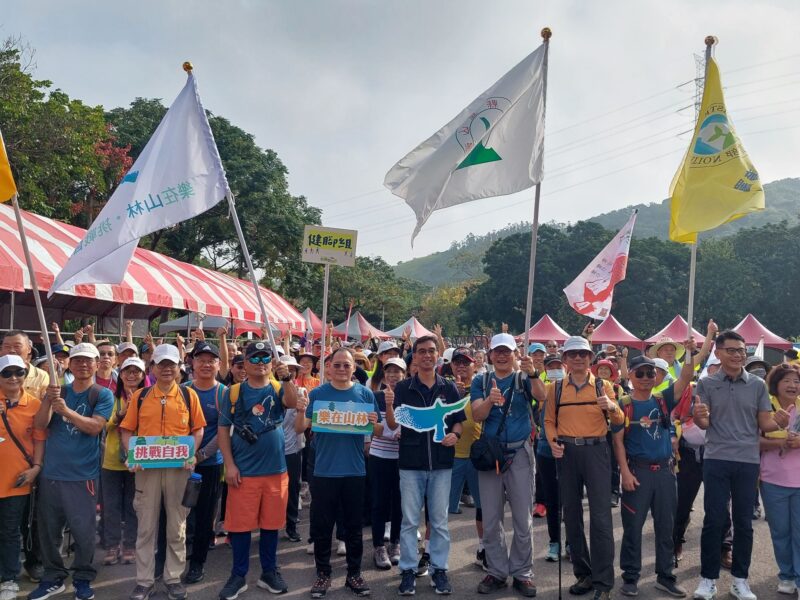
{"x": 16, "y": 441}
{"x": 557, "y": 393}
{"x": 94, "y": 395}
{"x": 627, "y": 410}
{"x": 187, "y": 399}
{"x": 233, "y": 394}
{"x": 142, "y": 395}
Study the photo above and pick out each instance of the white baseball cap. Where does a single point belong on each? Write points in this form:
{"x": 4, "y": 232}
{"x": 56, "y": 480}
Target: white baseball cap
{"x": 289, "y": 361}
{"x": 506, "y": 340}
{"x": 166, "y": 352}
{"x": 12, "y": 360}
{"x": 396, "y": 362}
{"x": 448, "y": 355}
{"x": 661, "y": 364}
{"x": 133, "y": 361}
{"x": 386, "y": 346}
{"x": 84, "y": 349}
{"x": 575, "y": 343}
{"x": 124, "y": 346}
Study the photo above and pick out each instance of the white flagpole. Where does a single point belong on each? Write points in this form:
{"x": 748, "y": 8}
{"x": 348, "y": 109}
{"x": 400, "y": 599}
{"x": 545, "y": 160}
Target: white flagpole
{"x": 35, "y": 289}
{"x": 710, "y": 41}
{"x": 546, "y": 35}
{"x": 249, "y": 263}
{"x": 324, "y": 321}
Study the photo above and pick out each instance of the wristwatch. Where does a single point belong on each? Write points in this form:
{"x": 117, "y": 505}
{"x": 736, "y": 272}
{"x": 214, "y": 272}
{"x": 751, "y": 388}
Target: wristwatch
{"x": 457, "y": 434}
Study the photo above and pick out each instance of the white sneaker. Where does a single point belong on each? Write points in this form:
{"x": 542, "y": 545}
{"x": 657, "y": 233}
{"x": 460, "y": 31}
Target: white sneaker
{"x": 310, "y": 548}
{"x": 741, "y": 589}
{"x": 786, "y": 586}
{"x": 706, "y": 590}
{"x": 341, "y": 549}
{"x": 9, "y": 590}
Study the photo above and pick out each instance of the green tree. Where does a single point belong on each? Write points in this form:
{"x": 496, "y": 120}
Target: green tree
{"x": 442, "y": 305}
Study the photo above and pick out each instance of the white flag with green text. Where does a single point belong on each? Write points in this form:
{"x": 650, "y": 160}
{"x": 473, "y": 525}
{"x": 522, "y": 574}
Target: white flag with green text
{"x": 493, "y": 147}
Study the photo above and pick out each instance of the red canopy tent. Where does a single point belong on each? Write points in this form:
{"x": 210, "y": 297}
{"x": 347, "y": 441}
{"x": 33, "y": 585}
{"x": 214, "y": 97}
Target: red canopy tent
{"x": 545, "y": 329}
{"x": 752, "y": 331}
{"x": 416, "y": 328}
{"x": 676, "y": 331}
{"x": 611, "y": 331}
{"x": 359, "y": 328}
{"x": 313, "y": 322}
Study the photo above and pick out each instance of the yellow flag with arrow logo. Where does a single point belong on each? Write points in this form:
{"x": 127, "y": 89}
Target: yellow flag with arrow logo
{"x": 7, "y": 186}
{"x": 716, "y": 183}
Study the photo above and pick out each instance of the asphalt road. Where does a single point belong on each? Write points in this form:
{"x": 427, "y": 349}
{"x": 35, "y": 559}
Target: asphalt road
{"x": 297, "y": 567}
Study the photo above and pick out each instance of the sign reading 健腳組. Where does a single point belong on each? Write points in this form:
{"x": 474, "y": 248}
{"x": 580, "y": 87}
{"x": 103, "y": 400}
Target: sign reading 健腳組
{"x": 329, "y": 246}
{"x": 160, "y": 452}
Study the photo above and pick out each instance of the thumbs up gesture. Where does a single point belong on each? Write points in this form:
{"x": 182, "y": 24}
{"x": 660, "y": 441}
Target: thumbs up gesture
{"x": 495, "y": 397}
{"x": 606, "y": 403}
{"x": 781, "y": 417}
{"x": 388, "y": 394}
{"x": 701, "y": 411}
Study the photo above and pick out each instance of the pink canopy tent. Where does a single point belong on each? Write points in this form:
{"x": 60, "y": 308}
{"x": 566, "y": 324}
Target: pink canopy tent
{"x": 752, "y": 331}
{"x": 676, "y": 331}
{"x": 611, "y": 331}
{"x": 545, "y": 329}
{"x": 311, "y": 319}
{"x": 359, "y": 328}
{"x": 416, "y": 328}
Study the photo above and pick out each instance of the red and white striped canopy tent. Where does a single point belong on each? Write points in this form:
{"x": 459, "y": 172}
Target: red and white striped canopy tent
{"x": 415, "y": 327}
{"x": 315, "y": 323}
{"x": 152, "y": 281}
{"x": 359, "y": 328}
{"x": 545, "y": 329}
{"x": 611, "y": 331}
{"x": 675, "y": 331}
{"x": 752, "y": 331}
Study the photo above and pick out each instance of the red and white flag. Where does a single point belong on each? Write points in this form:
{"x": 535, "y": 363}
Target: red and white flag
{"x": 591, "y": 292}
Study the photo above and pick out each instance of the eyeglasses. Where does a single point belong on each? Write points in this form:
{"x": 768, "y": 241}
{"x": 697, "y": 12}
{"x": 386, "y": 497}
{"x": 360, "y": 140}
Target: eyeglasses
{"x": 205, "y": 363}
{"x": 425, "y": 351}
{"x": 108, "y": 354}
{"x": 9, "y": 373}
{"x": 642, "y": 373}
{"x": 263, "y": 359}
{"x": 577, "y": 354}
{"x": 735, "y": 351}
{"x": 344, "y": 365}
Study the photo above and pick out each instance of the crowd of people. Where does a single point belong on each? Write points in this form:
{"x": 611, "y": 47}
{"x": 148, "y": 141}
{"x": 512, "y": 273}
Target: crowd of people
{"x": 540, "y": 428}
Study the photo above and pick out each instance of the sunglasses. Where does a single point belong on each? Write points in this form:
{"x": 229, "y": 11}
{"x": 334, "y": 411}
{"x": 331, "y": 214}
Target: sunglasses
{"x": 642, "y": 373}
{"x": 9, "y": 373}
{"x": 108, "y": 354}
{"x": 255, "y": 360}
{"x": 578, "y": 354}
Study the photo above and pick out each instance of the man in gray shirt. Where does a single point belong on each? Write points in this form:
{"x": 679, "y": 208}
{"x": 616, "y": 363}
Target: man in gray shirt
{"x": 731, "y": 405}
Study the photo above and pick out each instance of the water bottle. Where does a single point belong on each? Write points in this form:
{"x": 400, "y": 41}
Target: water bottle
{"x": 192, "y": 491}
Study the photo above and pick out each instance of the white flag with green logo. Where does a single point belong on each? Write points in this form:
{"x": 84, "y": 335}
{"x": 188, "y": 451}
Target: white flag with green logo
{"x": 493, "y": 147}
{"x": 177, "y": 176}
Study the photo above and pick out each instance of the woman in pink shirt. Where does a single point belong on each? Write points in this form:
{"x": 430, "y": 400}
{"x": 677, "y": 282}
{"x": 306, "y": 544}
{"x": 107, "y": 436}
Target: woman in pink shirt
{"x": 780, "y": 477}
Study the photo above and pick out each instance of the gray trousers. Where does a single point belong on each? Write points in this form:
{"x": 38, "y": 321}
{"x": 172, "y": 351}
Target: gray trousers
{"x": 657, "y": 493}
{"x": 516, "y": 484}
{"x": 70, "y": 503}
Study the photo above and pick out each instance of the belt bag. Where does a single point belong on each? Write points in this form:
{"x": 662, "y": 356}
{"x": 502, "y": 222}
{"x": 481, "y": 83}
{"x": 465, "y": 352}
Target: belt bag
{"x": 487, "y": 452}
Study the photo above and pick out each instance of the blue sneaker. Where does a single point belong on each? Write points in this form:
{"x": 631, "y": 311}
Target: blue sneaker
{"x": 83, "y": 589}
{"x": 47, "y": 589}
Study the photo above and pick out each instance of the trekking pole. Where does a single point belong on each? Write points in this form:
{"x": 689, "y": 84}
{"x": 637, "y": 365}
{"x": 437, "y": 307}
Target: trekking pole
{"x": 558, "y": 512}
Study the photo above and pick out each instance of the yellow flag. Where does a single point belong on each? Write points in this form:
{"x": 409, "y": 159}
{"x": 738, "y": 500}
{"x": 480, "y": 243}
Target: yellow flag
{"x": 716, "y": 183}
{"x": 7, "y": 187}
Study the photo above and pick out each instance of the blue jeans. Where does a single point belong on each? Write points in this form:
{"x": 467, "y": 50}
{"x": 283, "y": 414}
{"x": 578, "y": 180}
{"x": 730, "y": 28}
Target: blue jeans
{"x": 12, "y": 509}
{"x": 782, "y": 505}
{"x": 463, "y": 471}
{"x": 415, "y": 486}
{"x": 723, "y": 481}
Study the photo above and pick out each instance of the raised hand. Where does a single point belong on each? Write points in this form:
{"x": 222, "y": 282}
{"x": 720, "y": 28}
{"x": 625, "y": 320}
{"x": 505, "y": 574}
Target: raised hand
{"x": 504, "y": 327}
{"x": 495, "y": 397}
{"x": 781, "y": 417}
{"x": 222, "y": 333}
{"x": 526, "y": 364}
{"x": 606, "y": 403}
{"x": 701, "y": 411}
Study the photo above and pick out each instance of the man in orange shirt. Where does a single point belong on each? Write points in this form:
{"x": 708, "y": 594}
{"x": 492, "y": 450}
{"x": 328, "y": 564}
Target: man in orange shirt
{"x": 21, "y": 454}
{"x": 163, "y": 409}
{"x": 577, "y": 412}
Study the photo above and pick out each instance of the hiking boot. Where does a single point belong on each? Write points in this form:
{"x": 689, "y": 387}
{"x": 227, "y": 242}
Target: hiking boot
{"x": 423, "y": 565}
{"x": 552, "y": 552}
{"x": 35, "y": 572}
{"x": 357, "y": 585}
{"x": 525, "y": 587}
{"x": 83, "y": 589}
{"x": 381, "y": 559}
{"x": 491, "y": 584}
{"x": 583, "y": 586}
{"x": 47, "y": 589}
{"x": 176, "y": 591}
{"x": 706, "y": 590}
{"x": 440, "y": 582}
{"x": 408, "y": 583}
{"x": 9, "y": 590}
{"x": 480, "y": 559}
{"x": 141, "y": 592}
{"x": 233, "y": 587}
{"x": 629, "y": 588}
{"x": 111, "y": 557}
{"x": 741, "y": 589}
{"x": 195, "y": 574}
{"x": 321, "y": 585}
{"x": 670, "y": 587}
{"x": 273, "y": 582}
{"x": 128, "y": 556}
{"x": 602, "y": 595}
{"x": 394, "y": 554}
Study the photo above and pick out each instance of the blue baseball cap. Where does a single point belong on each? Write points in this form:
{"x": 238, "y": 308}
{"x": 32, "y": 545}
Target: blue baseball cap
{"x": 62, "y": 348}
{"x": 536, "y": 347}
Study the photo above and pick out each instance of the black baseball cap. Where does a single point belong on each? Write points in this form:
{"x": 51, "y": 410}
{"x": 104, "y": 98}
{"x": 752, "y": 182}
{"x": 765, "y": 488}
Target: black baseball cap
{"x": 462, "y": 353}
{"x": 641, "y": 361}
{"x": 551, "y": 358}
{"x": 205, "y": 348}
{"x": 56, "y": 348}
{"x": 254, "y": 348}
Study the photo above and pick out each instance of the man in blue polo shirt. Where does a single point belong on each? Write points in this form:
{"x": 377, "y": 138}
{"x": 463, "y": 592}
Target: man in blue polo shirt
{"x": 643, "y": 448}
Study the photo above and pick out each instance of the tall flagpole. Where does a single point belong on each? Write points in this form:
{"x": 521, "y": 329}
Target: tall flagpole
{"x": 324, "y": 322}
{"x": 249, "y": 263}
{"x": 710, "y": 41}
{"x": 546, "y": 35}
{"x": 35, "y": 289}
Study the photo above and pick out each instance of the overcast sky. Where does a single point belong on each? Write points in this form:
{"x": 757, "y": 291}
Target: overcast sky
{"x": 342, "y": 89}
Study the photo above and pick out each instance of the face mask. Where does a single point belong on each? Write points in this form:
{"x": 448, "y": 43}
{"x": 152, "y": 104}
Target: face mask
{"x": 555, "y": 374}
{"x": 759, "y": 373}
